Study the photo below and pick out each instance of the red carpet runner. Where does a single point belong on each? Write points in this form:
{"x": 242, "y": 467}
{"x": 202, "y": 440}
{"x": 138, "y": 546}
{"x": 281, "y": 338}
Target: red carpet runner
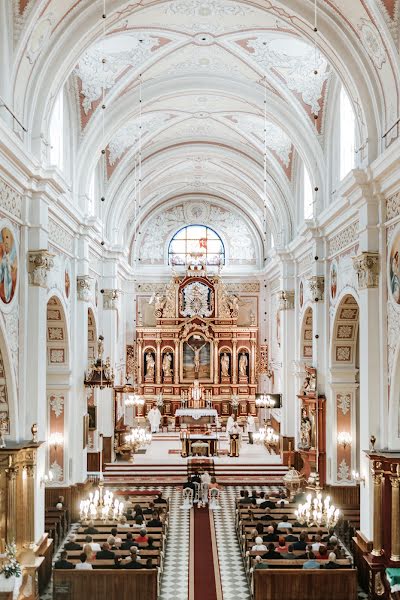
{"x": 204, "y": 575}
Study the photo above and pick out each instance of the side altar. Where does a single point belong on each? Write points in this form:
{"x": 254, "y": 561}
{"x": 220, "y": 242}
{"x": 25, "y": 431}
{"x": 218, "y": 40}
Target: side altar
{"x": 196, "y": 338}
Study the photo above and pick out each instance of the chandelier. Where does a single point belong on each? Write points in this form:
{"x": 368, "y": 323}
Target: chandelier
{"x": 101, "y": 505}
{"x": 266, "y": 436}
{"x": 318, "y": 512}
{"x": 265, "y": 401}
{"x": 134, "y": 400}
{"x": 137, "y": 438}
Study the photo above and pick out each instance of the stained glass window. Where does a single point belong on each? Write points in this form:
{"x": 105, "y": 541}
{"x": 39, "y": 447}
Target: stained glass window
{"x": 196, "y": 245}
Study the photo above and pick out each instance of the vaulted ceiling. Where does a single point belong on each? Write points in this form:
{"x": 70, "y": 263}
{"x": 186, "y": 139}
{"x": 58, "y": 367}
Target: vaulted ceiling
{"x": 193, "y": 89}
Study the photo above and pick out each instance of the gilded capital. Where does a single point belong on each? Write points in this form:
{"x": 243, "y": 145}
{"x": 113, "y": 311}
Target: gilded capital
{"x": 395, "y": 482}
{"x": 84, "y": 287}
{"x": 316, "y": 285}
{"x": 40, "y": 263}
{"x": 110, "y": 299}
{"x": 286, "y": 299}
{"x": 366, "y": 265}
{"x": 377, "y": 477}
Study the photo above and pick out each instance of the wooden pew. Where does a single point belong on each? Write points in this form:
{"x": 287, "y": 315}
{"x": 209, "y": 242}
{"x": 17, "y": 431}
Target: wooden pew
{"x": 113, "y": 584}
{"x": 305, "y": 584}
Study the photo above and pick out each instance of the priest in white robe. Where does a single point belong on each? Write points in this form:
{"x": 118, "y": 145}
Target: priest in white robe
{"x": 230, "y": 423}
{"x": 154, "y": 418}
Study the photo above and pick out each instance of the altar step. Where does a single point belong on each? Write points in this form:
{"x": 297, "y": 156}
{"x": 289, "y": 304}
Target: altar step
{"x": 176, "y": 473}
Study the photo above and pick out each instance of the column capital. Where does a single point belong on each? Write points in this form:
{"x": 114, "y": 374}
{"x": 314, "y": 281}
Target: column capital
{"x": 377, "y": 477}
{"x": 40, "y": 262}
{"x": 316, "y": 284}
{"x": 110, "y": 299}
{"x": 395, "y": 482}
{"x": 84, "y": 287}
{"x": 286, "y": 300}
{"x": 366, "y": 265}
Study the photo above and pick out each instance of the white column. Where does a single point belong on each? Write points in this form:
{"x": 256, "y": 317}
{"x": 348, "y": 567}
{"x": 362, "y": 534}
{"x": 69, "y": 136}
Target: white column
{"x": 286, "y": 307}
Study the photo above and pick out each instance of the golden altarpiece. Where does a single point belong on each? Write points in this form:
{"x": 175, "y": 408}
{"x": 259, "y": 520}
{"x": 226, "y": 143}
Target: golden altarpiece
{"x": 196, "y": 337}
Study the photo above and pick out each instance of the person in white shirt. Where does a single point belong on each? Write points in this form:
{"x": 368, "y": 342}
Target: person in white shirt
{"x": 259, "y": 545}
{"x": 251, "y": 427}
{"x": 123, "y": 522}
{"x": 95, "y": 546}
{"x": 284, "y": 524}
{"x": 230, "y": 423}
{"x": 316, "y": 544}
{"x": 83, "y": 565}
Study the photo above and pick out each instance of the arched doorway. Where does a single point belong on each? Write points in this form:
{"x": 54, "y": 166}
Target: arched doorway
{"x": 344, "y": 389}
{"x": 57, "y": 390}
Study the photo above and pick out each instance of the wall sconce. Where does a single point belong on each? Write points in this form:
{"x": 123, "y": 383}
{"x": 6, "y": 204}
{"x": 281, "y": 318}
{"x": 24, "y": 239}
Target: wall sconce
{"x": 47, "y": 478}
{"x": 344, "y": 439}
{"x": 56, "y": 439}
{"x": 357, "y": 477}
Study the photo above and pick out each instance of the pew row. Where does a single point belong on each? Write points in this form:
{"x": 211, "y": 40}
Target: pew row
{"x": 117, "y": 584}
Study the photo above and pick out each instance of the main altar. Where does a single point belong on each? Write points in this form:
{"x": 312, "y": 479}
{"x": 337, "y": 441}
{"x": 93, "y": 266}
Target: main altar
{"x": 195, "y": 343}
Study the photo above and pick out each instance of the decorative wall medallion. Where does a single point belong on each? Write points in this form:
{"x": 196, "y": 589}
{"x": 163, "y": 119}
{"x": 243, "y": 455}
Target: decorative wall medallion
{"x": 394, "y": 269}
{"x": 345, "y": 332}
{"x": 372, "y": 42}
{"x": 57, "y": 404}
{"x": 333, "y": 280}
{"x": 344, "y": 471}
{"x": 57, "y": 356}
{"x": 39, "y": 37}
{"x": 57, "y": 471}
{"x": 343, "y": 402}
{"x": 8, "y": 263}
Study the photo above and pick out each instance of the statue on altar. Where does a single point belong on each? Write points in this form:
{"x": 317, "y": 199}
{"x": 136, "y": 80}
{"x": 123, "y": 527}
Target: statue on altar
{"x": 166, "y": 365}
{"x": 305, "y": 431}
{"x": 150, "y": 365}
{"x": 243, "y": 362}
{"x": 196, "y": 394}
{"x": 225, "y": 365}
{"x": 196, "y": 356}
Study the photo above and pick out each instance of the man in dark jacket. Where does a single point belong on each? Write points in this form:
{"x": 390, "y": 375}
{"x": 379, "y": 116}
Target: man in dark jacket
{"x": 105, "y": 552}
{"x": 72, "y": 544}
{"x": 63, "y": 563}
{"x": 271, "y": 553}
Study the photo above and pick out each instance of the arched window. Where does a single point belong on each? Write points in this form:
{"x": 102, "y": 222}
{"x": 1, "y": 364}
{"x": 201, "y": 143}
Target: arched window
{"x": 56, "y": 133}
{"x": 196, "y": 245}
{"x": 308, "y": 196}
{"x": 347, "y": 134}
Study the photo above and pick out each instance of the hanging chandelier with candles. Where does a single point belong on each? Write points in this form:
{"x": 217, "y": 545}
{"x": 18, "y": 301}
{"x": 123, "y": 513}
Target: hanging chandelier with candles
{"x": 266, "y": 435}
{"x": 134, "y": 400}
{"x": 317, "y": 511}
{"x": 265, "y": 401}
{"x": 101, "y": 505}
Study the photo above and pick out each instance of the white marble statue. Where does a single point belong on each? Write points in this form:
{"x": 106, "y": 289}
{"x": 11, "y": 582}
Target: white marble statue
{"x": 243, "y": 365}
{"x": 225, "y": 365}
{"x": 166, "y": 364}
{"x": 150, "y": 364}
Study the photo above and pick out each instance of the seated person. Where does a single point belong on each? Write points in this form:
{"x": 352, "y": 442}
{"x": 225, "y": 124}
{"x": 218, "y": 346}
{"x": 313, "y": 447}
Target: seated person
{"x": 271, "y": 535}
{"x": 258, "y": 530}
{"x": 128, "y": 543}
{"x": 260, "y": 498}
{"x": 111, "y": 542}
{"x": 150, "y": 543}
{"x": 142, "y": 538}
{"x": 123, "y": 522}
{"x": 322, "y": 553}
{"x": 265, "y": 517}
{"x": 316, "y": 544}
{"x": 244, "y": 497}
{"x": 291, "y": 538}
{"x": 290, "y": 555}
{"x": 282, "y": 500}
{"x": 83, "y": 565}
{"x": 213, "y": 484}
{"x": 133, "y": 560}
{"x": 117, "y": 562}
{"x": 139, "y": 522}
{"x": 95, "y": 546}
{"x": 60, "y": 503}
{"x": 105, "y": 552}
{"x": 149, "y": 510}
{"x": 284, "y": 524}
{"x": 281, "y": 547}
{"x": 302, "y": 543}
{"x": 268, "y": 503}
{"x": 129, "y": 514}
{"x": 259, "y": 545}
{"x": 63, "y": 563}
{"x": 325, "y": 537}
{"x": 155, "y": 521}
{"x": 271, "y": 552}
{"x": 259, "y": 564}
{"x": 311, "y": 563}
{"x": 160, "y": 499}
{"x": 90, "y": 529}
{"x": 117, "y": 539}
{"x": 149, "y": 564}
{"x": 72, "y": 544}
{"x": 90, "y": 555}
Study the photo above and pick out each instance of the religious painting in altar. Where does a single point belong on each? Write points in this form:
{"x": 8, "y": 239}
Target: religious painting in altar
{"x": 196, "y": 359}
{"x": 394, "y": 269}
{"x": 8, "y": 264}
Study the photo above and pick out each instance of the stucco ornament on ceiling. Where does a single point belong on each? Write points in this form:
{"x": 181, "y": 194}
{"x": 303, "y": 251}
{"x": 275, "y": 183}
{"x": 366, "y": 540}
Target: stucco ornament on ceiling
{"x": 128, "y": 135}
{"x": 295, "y": 61}
{"x": 276, "y": 138}
{"x": 121, "y": 51}
{"x": 229, "y": 224}
{"x": 207, "y": 8}
{"x": 372, "y": 42}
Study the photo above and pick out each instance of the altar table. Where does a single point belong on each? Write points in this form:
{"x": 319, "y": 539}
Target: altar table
{"x": 197, "y": 444}
{"x": 196, "y": 416}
